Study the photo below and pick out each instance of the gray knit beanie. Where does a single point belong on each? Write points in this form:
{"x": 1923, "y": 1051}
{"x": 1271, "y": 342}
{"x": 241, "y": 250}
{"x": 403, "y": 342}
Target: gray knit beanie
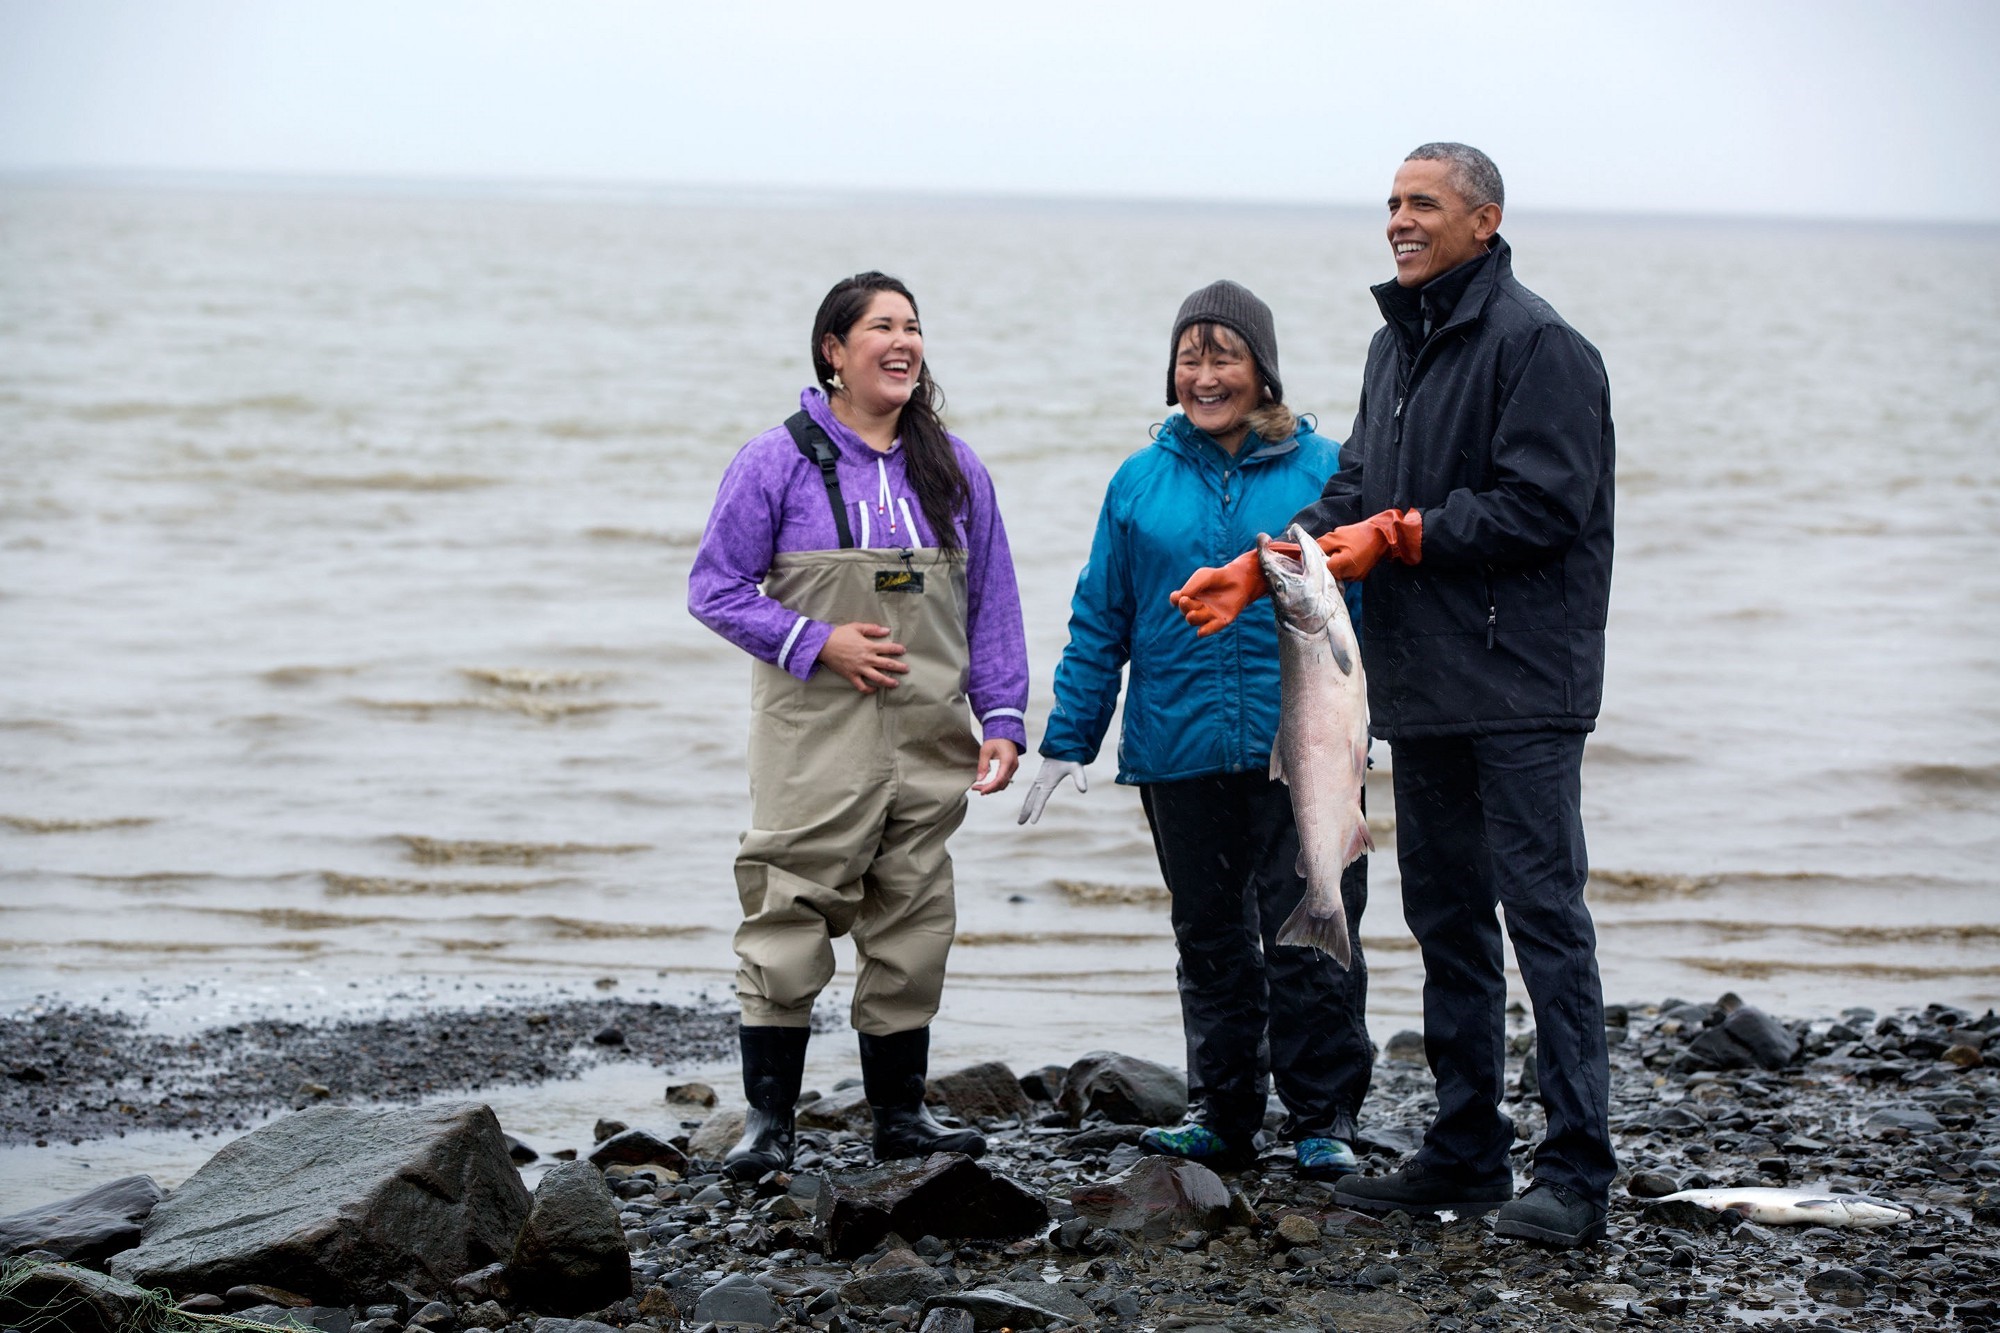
{"x": 1236, "y": 308}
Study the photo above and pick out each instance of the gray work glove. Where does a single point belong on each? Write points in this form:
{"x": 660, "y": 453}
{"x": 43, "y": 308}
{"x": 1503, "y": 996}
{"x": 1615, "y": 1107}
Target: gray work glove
{"x": 1053, "y": 771}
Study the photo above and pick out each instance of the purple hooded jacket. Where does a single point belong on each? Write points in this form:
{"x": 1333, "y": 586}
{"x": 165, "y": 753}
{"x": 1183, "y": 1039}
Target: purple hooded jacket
{"x": 773, "y": 499}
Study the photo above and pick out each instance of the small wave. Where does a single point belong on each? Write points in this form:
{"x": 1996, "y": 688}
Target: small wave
{"x": 978, "y": 939}
{"x": 575, "y": 928}
{"x": 28, "y": 824}
{"x": 298, "y": 918}
{"x": 287, "y": 677}
{"x": 375, "y": 886}
{"x": 1763, "y": 969}
{"x": 1085, "y": 891}
{"x": 1639, "y": 885}
{"x": 376, "y": 481}
{"x": 440, "y": 851}
{"x": 1951, "y": 777}
{"x": 197, "y": 946}
{"x": 681, "y": 539}
{"x": 1850, "y": 936}
{"x": 542, "y": 710}
{"x": 532, "y": 681}
{"x": 1607, "y": 752}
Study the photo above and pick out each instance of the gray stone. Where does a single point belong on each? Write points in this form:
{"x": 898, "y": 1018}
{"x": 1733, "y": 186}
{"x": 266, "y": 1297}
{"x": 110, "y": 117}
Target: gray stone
{"x": 637, "y": 1147}
{"x": 844, "y": 1108}
{"x": 1908, "y": 1119}
{"x": 717, "y": 1135}
{"x": 945, "y": 1320}
{"x": 1748, "y": 1038}
{"x": 979, "y": 1092}
{"x": 1124, "y": 1089}
{"x": 896, "y": 1286}
{"x": 1651, "y": 1185}
{"x": 1101, "y": 1138}
{"x": 1367, "y": 1311}
{"x": 1157, "y": 1198}
{"x": 90, "y": 1302}
{"x": 945, "y": 1195}
{"x": 736, "y": 1300}
{"x": 1838, "y": 1286}
{"x": 572, "y": 1326}
{"x": 1016, "y": 1305}
{"x": 690, "y": 1094}
{"x": 571, "y": 1255}
{"x": 342, "y": 1202}
{"x": 323, "y": 1318}
{"x": 90, "y": 1227}
{"x": 1405, "y": 1048}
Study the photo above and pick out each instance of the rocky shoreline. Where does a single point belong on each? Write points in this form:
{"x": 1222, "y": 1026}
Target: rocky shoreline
{"x": 1065, "y": 1222}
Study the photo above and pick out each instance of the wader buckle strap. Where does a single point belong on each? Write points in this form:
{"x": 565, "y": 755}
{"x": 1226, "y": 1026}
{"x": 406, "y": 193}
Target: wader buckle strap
{"x": 817, "y": 448}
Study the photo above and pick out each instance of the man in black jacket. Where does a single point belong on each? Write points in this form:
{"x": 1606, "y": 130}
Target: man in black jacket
{"x": 1474, "y": 496}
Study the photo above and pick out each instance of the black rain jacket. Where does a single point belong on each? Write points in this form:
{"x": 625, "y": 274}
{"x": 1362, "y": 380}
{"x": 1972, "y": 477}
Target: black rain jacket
{"x": 1498, "y": 429}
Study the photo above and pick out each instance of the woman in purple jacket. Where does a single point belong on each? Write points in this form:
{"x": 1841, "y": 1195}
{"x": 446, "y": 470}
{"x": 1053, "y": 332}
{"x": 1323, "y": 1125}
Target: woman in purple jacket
{"x": 857, "y": 554}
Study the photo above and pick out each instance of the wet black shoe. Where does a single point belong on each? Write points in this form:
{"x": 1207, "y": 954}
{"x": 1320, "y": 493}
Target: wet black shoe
{"x": 774, "y": 1062}
{"x": 1552, "y": 1215}
{"x": 1418, "y": 1189}
{"x": 892, "y": 1074}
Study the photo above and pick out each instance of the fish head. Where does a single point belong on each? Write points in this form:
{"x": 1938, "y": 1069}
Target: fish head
{"x": 1304, "y": 593}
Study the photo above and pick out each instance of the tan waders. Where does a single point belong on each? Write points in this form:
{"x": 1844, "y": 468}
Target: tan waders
{"x": 853, "y": 796}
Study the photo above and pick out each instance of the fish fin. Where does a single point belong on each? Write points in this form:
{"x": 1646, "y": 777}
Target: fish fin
{"x": 1340, "y": 657}
{"x": 1359, "y": 843}
{"x": 1278, "y": 767}
{"x": 1328, "y": 934}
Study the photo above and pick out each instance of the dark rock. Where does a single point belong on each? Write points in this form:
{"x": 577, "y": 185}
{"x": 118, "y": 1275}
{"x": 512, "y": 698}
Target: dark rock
{"x": 1044, "y": 1084}
{"x": 520, "y": 1153}
{"x": 1986, "y": 1204}
{"x": 1375, "y": 1311}
{"x": 1530, "y": 1085}
{"x": 605, "y": 1129}
{"x": 88, "y": 1302}
{"x": 324, "y": 1318}
{"x": 1394, "y": 1140}
{"x": 979, "y": 1092}
{"x": 341, "y": 1202}
{"x": 90, "y": 1227}
{"x": 1748, "y": 1038}
{"x": 1016, "y": 1305}
{"x": 608, "y": 1037}
{"x": 1906, "y": 1119}
{"x": 896, "y": 1286}
{"x": 1405, "y": 1048}
{"x": 486, "y": 1314}
{"x": 1684, "y": 1215}
{"x": 844, "y": 1108}
{"x": 1839, "y": 1286}
{"x": 546, "y": 1325}
{"x": 736, "y": 1300}
{"x": 1380, "y": 1275}
{"x": 571, "y": 1255}
{"x": 1651, "y": 1185}
{"x": 946, "y": 1194}
{"x": 434, "y": 1317}
{"x": 484, "y": 1284}
{"x": 1102, "y": 1138}
{"x": 1124, "y": 1089}
{"x": 943, "y": 1320}
{"x": 638, "y": 1147}
{"x": 1156, "y": 1198}
{"x": 690, "y": 1094}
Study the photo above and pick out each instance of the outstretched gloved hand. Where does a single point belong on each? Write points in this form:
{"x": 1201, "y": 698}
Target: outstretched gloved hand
{"x": 1213, "y": 597}
{"x": 1053, "y": 771}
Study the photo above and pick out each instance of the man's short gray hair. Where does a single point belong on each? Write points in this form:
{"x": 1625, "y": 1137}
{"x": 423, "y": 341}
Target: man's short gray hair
{"x": 1473, "y": 174}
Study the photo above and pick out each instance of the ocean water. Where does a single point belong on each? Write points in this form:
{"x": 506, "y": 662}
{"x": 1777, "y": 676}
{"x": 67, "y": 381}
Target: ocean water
{"x": 344, "y": 657}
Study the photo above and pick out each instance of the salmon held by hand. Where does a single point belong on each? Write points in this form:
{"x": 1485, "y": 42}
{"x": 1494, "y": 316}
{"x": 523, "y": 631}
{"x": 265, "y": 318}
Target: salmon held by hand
{"x": 1322, "y": 746}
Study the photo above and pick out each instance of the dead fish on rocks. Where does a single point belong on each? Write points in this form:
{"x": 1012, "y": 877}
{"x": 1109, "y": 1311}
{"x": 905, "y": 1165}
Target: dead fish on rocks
{"x": 1322, "y": 748}
{"x": 1797, "y": 1207}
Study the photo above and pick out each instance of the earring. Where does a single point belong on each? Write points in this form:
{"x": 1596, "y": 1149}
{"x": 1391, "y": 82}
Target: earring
{"x": 833, "y": 382}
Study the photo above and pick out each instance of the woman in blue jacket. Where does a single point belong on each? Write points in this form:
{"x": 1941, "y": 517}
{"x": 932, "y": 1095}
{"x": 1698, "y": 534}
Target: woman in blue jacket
{"x": 1200, "y": 718}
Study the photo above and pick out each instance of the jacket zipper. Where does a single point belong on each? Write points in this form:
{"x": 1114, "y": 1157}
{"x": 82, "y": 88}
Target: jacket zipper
{"x": 1492, "y": 607}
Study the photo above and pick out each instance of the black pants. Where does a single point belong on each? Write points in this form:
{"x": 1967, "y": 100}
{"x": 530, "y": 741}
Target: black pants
{"x": 1256, "y": 1011}
{"x": 1486, "y": 820}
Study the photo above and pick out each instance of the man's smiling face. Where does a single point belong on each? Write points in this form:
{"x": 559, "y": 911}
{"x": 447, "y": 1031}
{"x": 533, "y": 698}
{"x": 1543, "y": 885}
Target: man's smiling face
{"x": 1431, "y": 228}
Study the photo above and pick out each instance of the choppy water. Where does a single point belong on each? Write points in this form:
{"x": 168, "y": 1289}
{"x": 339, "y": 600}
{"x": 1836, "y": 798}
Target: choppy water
{"x": 344, "y": 656}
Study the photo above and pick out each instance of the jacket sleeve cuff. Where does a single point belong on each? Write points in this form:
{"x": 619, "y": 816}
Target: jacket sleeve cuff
{"x": 800, "y": 653}
{"x": 1005, "y": 724}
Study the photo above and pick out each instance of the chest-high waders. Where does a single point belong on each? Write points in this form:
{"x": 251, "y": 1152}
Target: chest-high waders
{"x": 852, "y": 799}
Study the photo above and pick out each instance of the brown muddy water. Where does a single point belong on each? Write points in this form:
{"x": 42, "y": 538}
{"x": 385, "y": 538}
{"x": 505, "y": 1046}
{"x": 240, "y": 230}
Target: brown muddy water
{"x": 344, "y": 661}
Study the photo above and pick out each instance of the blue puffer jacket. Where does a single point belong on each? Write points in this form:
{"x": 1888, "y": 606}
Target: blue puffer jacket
{"x": 1195, "y": 706}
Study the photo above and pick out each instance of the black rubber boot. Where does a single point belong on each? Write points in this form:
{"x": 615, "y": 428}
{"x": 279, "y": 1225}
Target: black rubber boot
{"x": 774, "y": 1060}
{"x": 892, "y": 1074}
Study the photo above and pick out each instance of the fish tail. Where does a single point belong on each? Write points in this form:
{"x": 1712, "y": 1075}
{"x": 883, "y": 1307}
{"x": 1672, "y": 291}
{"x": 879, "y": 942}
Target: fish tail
{"x": 1326, "y": 933}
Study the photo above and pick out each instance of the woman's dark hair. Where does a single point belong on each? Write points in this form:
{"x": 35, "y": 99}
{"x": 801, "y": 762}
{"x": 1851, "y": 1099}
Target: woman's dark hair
{"x": 930, "y": 458}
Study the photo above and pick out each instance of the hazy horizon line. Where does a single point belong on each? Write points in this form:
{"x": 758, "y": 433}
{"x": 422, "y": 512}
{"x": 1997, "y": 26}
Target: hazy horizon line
{"x": 716, "y": 194}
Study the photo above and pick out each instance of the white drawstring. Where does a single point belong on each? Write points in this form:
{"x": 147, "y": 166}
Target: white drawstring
{"x": 863, "y": 511}
{"x": 910, "y": 522}
{"x": 884, "y": 500}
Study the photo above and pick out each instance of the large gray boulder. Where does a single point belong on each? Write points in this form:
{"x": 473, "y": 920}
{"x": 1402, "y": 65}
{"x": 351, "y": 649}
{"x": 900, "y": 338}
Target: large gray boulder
{"x": 946, "y": 1195}
{"x": 571, "y": 1256}
{"x": 1124, "y": 1089}
{"x": 90, "y": 1227}
{"x": 979, "y": 1092}
{"x": 340, "y": 1203}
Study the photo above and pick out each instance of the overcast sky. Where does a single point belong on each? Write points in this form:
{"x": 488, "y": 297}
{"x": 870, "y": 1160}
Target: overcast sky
{"x": 1845, "y": 108}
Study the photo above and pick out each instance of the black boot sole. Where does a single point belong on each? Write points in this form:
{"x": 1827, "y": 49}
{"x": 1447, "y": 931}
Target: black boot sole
{"x": 1463, "y": 1207}
{"x": 1520, "y": 1230}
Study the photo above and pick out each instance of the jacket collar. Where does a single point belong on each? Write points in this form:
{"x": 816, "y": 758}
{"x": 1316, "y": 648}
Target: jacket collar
{"x": 1459, "y": 294}
{"x": 1180, "y": 436}
{"x": 851, "y": 445}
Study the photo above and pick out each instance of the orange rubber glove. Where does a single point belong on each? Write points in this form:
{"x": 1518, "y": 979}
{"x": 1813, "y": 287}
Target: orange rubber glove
{"x": 1213, "y": 598}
